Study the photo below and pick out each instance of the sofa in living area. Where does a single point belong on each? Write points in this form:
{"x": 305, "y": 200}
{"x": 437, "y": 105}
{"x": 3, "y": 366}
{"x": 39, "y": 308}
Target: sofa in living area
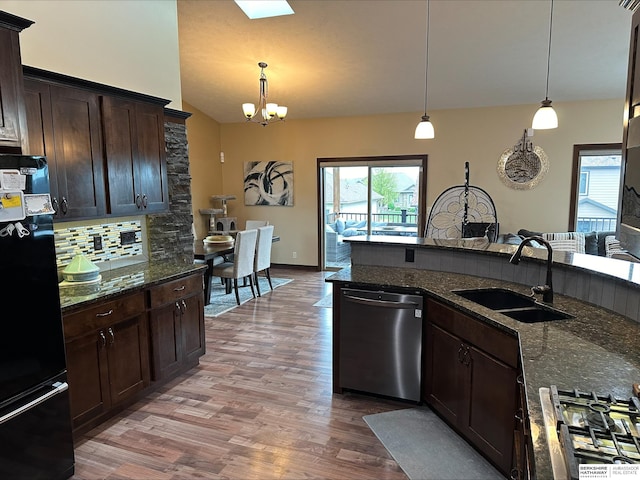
{"x": 603, "y": 244}
{"x": 336, "y": 250}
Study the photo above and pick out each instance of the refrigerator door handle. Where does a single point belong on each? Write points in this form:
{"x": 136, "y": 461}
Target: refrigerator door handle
{"x": 59, "y": 387}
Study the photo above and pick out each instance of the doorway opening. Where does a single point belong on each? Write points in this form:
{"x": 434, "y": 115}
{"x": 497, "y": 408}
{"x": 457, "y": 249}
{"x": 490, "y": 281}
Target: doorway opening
{"x": 368, "y": 196}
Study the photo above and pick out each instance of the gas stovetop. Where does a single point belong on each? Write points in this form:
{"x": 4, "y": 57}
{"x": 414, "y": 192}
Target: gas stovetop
{"x": 594, "y": 428}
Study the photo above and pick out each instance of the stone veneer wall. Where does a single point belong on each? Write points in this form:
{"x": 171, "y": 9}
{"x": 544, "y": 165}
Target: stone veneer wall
{"x": 171, "y": 234}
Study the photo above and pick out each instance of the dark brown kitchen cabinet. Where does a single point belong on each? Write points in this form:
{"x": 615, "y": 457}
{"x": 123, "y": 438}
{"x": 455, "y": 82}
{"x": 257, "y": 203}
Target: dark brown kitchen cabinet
{"x": 64, "y": 125}
{"x": 107, "y": 357}
{"x": 176, "y": 322}
{"x": 470, "y": 371}
{"x": 135, "y": 152}
{"x": 13, "y": 127}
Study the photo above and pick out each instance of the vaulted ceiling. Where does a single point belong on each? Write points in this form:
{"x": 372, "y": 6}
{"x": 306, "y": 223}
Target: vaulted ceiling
{"x": 360, "y": 57}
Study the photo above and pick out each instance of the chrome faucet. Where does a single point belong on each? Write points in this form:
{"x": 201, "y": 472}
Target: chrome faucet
{"x": 545, "y": 290}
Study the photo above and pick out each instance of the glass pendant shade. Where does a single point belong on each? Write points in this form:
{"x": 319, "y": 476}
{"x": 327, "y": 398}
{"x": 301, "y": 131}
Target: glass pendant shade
{"x": 249, "y": 109}
{"x": 424, "y": 130}
{"x": 545, "y": 118}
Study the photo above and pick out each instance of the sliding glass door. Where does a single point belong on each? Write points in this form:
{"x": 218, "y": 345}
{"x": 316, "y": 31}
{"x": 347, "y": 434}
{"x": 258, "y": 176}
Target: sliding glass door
{"x": 368, "y": 196}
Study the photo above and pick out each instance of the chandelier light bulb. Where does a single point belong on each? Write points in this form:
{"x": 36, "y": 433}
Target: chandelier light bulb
{"x": 249, "y": 110}
{"x": 281, "y": 111}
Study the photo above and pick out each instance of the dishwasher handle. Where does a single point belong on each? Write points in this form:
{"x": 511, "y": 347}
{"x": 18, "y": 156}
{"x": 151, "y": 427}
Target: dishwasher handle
{"x": 380, "y": 303}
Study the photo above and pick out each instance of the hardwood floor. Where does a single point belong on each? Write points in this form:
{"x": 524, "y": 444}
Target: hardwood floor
{"x": 259, "y": 405}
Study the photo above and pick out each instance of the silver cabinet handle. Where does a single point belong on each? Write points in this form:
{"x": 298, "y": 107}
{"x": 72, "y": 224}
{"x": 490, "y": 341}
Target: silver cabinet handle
{"x": 112, "y": 337}
{"x": 138, "y": 201}
{"x": 105, "y": 314}
{"x": 179, "y": 289}
{"x": 144, "y": 200}
{"x": 103, "y": 339}
{"x": 58, "y": 388}
{"x": 65, "y": 207}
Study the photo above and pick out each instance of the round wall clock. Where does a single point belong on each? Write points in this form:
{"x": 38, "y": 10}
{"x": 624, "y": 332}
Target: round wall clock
{"x": 523, "y": 166}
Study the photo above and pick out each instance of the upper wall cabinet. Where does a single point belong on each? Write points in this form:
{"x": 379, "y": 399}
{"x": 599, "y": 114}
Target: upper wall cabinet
{"x": 135, "y": 152}
{"x": 64, "y": 125}
{"x": 13, "y": 130}
{"x": 105, "y": 146}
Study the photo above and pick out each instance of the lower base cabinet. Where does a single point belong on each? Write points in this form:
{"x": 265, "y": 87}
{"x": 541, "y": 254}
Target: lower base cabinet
{"x": 176, "y": 322}
{"x": 117, "y": 350}
{"x": 470, "y": 378}
{"x": 107, "y": 357}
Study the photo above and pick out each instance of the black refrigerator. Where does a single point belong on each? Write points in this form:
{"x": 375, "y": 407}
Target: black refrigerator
{"x": 35, "y": 424}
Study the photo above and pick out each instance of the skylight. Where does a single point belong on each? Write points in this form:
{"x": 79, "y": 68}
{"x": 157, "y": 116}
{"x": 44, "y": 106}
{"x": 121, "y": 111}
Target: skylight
{"x": 264, "y": 8}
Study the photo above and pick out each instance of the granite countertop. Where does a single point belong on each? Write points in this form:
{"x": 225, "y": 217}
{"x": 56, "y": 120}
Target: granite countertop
{"x": 597, "y": 350}
{"x": 628, "y": 272}
{"x": 123, "y": 280}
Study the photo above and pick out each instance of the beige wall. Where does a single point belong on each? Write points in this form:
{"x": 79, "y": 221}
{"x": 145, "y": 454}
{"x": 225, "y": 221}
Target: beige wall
{"x": 476, "y": 135}
{"x": 130, "y": 44}
{"x": 203, "y": 135}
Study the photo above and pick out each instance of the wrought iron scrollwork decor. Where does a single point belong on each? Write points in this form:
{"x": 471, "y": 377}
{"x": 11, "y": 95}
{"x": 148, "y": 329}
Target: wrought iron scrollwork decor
{"x": 523, "y": 166}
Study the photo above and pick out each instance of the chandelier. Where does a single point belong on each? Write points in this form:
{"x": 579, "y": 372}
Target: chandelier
{"x": 546, "y": 117}
{"x": 269, "y": 111}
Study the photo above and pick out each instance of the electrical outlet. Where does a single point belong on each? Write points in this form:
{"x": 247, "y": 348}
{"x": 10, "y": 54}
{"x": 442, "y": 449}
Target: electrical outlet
{"x": 295, "y": 254}
{"x": 127, "y": 238}
{"x": 97, "y": 242}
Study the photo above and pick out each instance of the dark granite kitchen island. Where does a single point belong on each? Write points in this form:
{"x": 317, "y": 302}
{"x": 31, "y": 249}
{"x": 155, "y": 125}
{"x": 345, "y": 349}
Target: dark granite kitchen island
{"x": 597, "y": 350}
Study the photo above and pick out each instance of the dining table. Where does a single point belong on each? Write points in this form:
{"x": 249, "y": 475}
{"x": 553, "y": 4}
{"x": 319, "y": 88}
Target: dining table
{"x": 209, "y": 252}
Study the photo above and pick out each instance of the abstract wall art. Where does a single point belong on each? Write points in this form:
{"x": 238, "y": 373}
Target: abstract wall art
{"x": 268, "y": 183}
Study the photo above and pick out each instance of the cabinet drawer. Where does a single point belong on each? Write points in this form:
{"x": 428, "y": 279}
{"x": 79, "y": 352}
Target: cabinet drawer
{"x": 493, "y": 341}
{"x": 103, "y": 314}
{"x": 174, "y": 290}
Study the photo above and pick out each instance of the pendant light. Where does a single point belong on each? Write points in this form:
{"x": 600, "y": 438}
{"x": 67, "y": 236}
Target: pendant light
{"x": 424, "y": 130}
{"x": 546, "y": 118}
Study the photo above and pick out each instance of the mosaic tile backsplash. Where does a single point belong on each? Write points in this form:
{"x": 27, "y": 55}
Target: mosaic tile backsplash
{"x": 75, "y": 240}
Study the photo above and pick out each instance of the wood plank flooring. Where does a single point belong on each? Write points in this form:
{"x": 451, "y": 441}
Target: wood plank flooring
{"x": 259, "y": 405}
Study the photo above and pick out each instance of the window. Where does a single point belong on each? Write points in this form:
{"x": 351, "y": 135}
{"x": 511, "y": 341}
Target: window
{"x": 584, "y": 183}
{"x": 595, "y": 187}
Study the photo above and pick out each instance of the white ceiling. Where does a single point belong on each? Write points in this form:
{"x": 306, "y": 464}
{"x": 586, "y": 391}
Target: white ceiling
{"x": 359, "y": 57}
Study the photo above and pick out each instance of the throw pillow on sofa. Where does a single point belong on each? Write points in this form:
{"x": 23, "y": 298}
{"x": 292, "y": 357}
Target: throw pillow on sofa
{"x": 339, "y": 226}
{"x": 352, "y": 232}
{"x": 566, "y": 241}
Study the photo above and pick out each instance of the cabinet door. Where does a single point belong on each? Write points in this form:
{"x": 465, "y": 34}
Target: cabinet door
{"x": 446, "y": 379}
{"x": 88, "y": 377}
{"x": 490, "y": 418}
{"x": 12, "y": 116}
{"x": 151, "y": 158}
{"x": 166, "y": 343}
{"x": 136, "y": 162}
{"x": 78, "y": 153}
{"x": 120, "y": 140}
{"x": 192, "y": 327}
{"x": 127, "y": 350}
{"x": 37, "y": 100}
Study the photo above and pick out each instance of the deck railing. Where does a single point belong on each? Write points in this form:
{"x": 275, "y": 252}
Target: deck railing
{"x": 597, "y": 224}
{"x": 392, "y": 218}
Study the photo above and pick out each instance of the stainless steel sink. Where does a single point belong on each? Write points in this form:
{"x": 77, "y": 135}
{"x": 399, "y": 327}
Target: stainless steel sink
{"x": 496, "y": 298}
{"x": 513, "y": 304}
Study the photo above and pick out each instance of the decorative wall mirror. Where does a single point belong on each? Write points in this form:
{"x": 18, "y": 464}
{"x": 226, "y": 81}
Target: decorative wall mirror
{"x": 523, "y": 166}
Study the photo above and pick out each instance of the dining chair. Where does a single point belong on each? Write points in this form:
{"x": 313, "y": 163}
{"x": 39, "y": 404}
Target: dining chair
{"x": 262, "y": 261}
{"x": 244, "y": 253}
{"x": 250, "y": 224}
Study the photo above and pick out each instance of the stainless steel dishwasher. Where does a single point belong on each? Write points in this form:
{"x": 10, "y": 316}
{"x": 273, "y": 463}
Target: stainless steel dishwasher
{"x": 381, "y": 343}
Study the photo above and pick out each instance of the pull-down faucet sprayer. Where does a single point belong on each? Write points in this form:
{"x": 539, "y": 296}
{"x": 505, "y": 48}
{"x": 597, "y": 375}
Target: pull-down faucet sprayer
{"x": 546, "y": 290}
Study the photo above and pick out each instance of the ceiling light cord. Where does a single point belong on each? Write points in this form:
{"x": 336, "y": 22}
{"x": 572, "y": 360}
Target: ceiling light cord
{"x": 546, "y": 91}
{"x": 424, "y": 130}
{"x": 546, "y": 117}
{"x": 426, "y": 63}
